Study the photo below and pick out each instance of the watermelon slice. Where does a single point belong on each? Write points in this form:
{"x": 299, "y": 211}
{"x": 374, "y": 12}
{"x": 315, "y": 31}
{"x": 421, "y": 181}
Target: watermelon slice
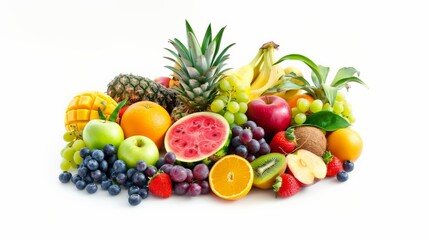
{"x": 198, "y": 136}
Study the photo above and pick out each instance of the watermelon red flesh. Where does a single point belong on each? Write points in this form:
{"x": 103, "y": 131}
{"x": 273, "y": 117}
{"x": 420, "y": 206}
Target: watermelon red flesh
{"x": 197, "y": 136}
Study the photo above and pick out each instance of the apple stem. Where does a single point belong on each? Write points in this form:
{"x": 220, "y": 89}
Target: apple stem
{"x": 140, "y": 143}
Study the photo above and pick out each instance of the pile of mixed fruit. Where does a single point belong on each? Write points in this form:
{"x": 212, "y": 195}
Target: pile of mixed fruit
{"x": 207, "y": 129}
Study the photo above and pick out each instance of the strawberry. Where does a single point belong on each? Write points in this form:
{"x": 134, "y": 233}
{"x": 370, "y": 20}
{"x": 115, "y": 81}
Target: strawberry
{"x": 286, "y": 185}
{"x": 281, "y": 143}
{"x": 333, "y": 164}
{"x": 160, "y": 185}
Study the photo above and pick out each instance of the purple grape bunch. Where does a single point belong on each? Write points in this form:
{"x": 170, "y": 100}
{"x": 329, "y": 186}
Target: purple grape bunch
{"x": 248, "y": 141}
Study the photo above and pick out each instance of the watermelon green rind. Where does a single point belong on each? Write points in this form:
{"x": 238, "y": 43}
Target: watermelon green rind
{"x": 195, "y": 133}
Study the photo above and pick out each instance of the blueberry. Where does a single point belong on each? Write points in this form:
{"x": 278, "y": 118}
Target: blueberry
{"x": 106, "y": 184}
{"x": 86, "y": 160}
{"x": 143, "y": 192}
{"x": 141, "y": 166}
{"x": 104, "y": 166}
{"x": 84, "y": 152}
{"x": 65, "y": 177}
{"x": 82, "y": 172}
{"x": 133, "y": 190}
{"x": 121, "y": 178}
{"x": 127, "y": 184}
{"x": 139, "y": 179}
{"x": 109, "y": 150}
{"x": 130, "y": 172}
{"x": 93, "y": 164}
{"x": 114, "y": 190}
{"x": 88, "y": 179}
{"x": 80, "y": 184}
{"x": 98, "y": 155}
{"x": 91, "y": 188}
{"x": 342, "y": 176}
{"x": 348, "y": 166}
{"x": 134, "y": 199}
{"x": 96, "y": 175}
{"x": 75, "y": 178}
{"x": 111, "y": 159}
{"x": 119, "y": 166}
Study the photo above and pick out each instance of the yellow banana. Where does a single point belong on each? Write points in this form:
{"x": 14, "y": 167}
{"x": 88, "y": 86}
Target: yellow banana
{"x": 264, "y": 73}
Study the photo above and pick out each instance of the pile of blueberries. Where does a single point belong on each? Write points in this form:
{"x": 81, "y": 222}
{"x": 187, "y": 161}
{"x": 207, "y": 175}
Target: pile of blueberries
{"x": 101, "y": 167}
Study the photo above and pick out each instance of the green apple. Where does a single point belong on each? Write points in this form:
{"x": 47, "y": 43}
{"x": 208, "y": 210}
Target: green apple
{"x": 136, "y": 148}
{"x": 97, "y": 133}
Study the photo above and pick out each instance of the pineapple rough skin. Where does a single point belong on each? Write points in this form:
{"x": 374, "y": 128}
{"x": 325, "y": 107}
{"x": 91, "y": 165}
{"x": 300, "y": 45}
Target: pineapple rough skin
{"x": 138, "y": 88}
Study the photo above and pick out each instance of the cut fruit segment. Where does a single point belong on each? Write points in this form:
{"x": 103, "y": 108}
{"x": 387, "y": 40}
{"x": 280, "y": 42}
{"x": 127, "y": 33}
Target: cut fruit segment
{"x": 306, "y": 166}
{"x": 231, "y": 177}
{"x": 198, "y": 136}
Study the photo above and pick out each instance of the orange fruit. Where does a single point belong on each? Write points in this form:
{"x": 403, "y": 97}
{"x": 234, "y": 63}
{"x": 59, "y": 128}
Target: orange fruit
{"x": 294, "y": 99}
{"x": 231, "y": 177}
{"x": 147, "y": 119}
{"x": 345, "y": 143}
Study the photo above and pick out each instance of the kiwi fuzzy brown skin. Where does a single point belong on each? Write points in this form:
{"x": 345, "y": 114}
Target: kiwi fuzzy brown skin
{"x": 311, "y": 139}
{"x": 266, "y": 168}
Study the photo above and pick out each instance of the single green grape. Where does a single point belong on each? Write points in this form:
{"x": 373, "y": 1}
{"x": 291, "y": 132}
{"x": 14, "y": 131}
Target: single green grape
{"x": 240, "y": 118}
{"x": 340, "y": 96}
{"x": 303, "y": 105}
{"x": 327, "y": 107}
{"x": 69, "y": 136}
{"x": 68, "y": 154}
{"x": 316, "y": 106}
{"x": 233, "y": 81}
{"x": 78, "y": 144}
{"x": 77, "y": 159}
{"x": 294, "y": 111}
{"x": 224, "y": 85}
{"x": 233, "y": 107}
{"x": 351, "y": 118}
{"x": 240, "y": 88}
{"x": 338, "y": 107}
{"x": 347, "y": 111}
{"x": 217, "y": 105}
{"x": 229, "y": 117}
{"x": 300, "y": 118}
{"x": 223, "y": 97}
{"x": 65, "y": 165}
{"x": 242, "y": 97}
{"x": 243, "y": 107}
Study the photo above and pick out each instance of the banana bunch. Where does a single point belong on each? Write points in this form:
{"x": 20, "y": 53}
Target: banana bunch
{"x": 265, "y": 73}
{"x": 245, "y": 74}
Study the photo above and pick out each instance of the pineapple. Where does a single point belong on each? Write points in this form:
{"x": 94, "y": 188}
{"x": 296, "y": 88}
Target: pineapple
{"x": 197, "y": 70}
{"x": 138, "y": 88}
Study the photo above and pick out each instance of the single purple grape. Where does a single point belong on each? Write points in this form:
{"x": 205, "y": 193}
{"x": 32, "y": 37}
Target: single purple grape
{"x": 181, "y": 188}
{"x": 246, "y": 135}
{"x": 258, "y": 133}
{"x": 178, "y": 173}
{"x": 201, "y": 171}
{"x": 193, "y": 190}
{"x": 253, "y": 146}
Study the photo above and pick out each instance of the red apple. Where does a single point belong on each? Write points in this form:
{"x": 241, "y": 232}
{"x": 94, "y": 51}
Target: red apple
{"x": 164, "y": 81}
{"x": 270, "y": 112}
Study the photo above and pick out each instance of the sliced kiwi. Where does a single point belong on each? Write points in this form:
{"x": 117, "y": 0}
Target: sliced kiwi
{"x": 266, "y": 168}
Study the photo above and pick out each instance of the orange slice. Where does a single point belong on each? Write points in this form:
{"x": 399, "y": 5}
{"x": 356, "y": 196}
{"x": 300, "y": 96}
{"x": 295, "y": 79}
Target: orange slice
{"x": 231, "y": 177}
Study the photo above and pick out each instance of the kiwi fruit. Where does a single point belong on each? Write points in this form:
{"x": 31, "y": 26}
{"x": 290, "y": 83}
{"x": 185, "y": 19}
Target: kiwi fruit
{"x": 311, "y": 139}
{"x": 266, "y": 168}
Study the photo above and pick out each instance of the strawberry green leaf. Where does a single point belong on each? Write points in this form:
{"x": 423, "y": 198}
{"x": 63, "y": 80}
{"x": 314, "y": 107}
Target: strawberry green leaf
{"x": 327, "y": 121}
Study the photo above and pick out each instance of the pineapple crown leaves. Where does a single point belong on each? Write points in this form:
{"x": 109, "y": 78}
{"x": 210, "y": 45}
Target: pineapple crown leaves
{"x": 115, "y": 113}
{"x": 199, "y": 60}
{"x": 320, "y": 88}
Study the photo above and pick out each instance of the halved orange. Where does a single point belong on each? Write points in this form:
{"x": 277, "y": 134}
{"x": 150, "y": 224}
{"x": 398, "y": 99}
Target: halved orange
{"x": 231, "y": 177}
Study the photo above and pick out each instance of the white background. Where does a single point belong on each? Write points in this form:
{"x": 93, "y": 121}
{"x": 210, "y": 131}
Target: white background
{"x": 53, "y": 50}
